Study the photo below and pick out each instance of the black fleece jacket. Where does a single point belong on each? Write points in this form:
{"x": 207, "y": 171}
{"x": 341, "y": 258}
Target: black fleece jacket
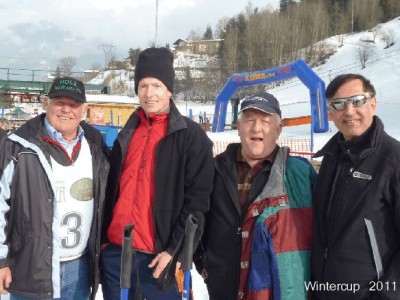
{"x": 357, "y": 217}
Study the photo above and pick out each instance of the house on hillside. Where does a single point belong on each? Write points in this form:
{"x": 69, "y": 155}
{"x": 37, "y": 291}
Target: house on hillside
{"x": 196, "y": 57}
{"x": 202, "y": 47}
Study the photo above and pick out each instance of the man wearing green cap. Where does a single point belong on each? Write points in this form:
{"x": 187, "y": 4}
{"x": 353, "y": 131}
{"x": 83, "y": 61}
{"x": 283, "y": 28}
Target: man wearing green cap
{"x": 53, "y": 172}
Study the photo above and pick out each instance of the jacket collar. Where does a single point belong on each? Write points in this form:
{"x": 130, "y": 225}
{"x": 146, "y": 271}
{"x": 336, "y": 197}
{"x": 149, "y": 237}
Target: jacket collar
{"x": 225, "y": 163}
{"x": 33, "y": 131}
{"x": 175, "y": 120}
{"x": 358, "y": 148}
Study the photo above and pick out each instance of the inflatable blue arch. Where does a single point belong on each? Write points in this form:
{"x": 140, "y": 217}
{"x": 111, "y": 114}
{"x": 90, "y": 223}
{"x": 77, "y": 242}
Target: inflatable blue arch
{"x": 319, "y": 113}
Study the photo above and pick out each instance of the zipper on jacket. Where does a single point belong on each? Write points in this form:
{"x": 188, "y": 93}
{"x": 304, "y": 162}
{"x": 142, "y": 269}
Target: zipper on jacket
{"x": 239, "y": 235}
{"x": 330, "y": 210}
{"x": 146, "y": 146}
{"x": 328, "y": 220}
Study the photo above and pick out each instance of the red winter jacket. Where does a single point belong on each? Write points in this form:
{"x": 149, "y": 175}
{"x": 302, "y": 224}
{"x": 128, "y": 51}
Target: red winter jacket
{"x": 183, "y": 174}
{"x": 136, "y": 187}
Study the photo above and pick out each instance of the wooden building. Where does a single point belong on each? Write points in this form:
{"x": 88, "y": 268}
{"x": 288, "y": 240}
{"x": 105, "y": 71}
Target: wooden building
{"x": 110, "y": 109}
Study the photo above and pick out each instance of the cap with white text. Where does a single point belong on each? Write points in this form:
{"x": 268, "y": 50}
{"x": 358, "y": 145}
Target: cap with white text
{"x": 261, "y": 101}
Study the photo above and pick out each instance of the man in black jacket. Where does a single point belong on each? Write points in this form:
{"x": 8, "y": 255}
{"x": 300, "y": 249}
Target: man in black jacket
{"x": 356, "y": 241}
{"x": 53, "y": 172}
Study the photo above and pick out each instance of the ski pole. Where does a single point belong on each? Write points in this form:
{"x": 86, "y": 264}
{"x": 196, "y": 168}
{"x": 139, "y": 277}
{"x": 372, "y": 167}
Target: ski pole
{"x": 126, "y": 262}
{"x": 187, "y": 258}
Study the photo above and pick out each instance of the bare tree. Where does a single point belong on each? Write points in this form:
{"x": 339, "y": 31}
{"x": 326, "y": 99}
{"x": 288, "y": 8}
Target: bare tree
{"x": 340, "y": 38}
{"x": 230, "y": 51}
{"x": 364, "y": 52}
{"x": 388, "y": 37}
{"x": 194, "y": 35}
{"x": 220, "y": 27}
{"x": 96, "y": 66}
{"x": 211, "y": 83}
{"x": 188, "y": 83}
{"x": 117, "y": 84}
{"x": 376, "y": 31}
{"x": 57, "y": 72}
{"x": 65, "y": 65}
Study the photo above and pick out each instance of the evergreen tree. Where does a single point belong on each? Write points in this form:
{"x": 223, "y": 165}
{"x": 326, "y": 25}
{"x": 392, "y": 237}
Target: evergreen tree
{"x": 133, "y": 55}
{"x": 242, "y": 43}
{"x": 233, "y": 47}
{"x": 285, "y": 4}
{"x": 208, "y": 35}
{"x": 343, "y": 4}
{"x": 58, "y": 72}
{"x": 390, "y": 9}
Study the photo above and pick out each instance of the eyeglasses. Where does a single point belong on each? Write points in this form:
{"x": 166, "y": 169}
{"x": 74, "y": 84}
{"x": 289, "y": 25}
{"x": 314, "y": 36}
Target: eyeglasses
{"x": 356, "y": 101}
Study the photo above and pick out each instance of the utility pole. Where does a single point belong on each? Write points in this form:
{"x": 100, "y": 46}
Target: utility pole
{"x": 155, "y": 40}
{"x": 108, "y": 49}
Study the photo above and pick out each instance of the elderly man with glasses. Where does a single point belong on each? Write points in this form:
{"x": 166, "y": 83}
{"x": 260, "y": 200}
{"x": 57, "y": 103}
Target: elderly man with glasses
{"x": 356, "y": 240}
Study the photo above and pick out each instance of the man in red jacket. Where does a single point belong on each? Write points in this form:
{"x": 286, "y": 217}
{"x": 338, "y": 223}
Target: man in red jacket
{"x": 162, "y": 169}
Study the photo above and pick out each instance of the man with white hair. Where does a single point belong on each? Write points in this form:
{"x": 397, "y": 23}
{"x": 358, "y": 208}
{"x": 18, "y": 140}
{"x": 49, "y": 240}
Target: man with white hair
{"x": 257, "y": 240}
{"x": 53, "y": 173}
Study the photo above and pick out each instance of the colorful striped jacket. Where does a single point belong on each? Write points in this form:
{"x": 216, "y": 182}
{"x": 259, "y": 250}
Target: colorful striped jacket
{"x": 264, "y": 252}
{"x": 280, "y": 218}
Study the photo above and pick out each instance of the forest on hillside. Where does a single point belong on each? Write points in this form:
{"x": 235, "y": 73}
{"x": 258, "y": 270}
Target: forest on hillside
{"x": 258, "y": 39}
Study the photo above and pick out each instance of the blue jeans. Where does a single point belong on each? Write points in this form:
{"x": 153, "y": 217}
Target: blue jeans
{"x": 110, "y": 261}
{"x": 75, "y": 280}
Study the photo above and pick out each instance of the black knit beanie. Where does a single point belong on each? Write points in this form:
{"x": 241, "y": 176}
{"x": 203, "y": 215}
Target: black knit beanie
{"x": 157, "y": 63}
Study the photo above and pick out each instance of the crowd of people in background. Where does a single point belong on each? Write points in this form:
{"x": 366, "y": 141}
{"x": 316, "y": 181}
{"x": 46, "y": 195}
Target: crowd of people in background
{"x": 268, "y": 226}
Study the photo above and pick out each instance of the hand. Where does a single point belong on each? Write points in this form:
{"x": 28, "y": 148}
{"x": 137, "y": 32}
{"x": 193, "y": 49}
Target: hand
{"x": 5, "y": 280}
{"x": 160, "y": 262}
{"x": 178, "y": 266}
{"x": 204, "y": 274}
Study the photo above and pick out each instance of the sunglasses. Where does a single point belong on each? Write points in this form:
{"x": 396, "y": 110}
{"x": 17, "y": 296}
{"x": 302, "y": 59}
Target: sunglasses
{"x": 356, "y": 101}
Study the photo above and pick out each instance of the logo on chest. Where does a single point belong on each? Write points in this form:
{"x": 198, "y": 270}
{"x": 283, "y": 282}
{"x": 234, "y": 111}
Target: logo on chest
{"x": 360, "y": 175}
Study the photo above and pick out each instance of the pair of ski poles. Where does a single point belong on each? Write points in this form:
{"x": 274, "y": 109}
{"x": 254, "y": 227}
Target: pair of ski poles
{"x": 187, "y": 259}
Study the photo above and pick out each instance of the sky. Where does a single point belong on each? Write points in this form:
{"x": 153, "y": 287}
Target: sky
{"x": 35, "y": 34}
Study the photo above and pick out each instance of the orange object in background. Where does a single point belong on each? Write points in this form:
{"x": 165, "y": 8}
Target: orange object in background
{"x": 299, "y": 120}
{"x": 179, "y": 277}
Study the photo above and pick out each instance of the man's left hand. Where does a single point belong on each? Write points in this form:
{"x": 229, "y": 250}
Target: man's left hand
{"x": 160, "y": 262}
